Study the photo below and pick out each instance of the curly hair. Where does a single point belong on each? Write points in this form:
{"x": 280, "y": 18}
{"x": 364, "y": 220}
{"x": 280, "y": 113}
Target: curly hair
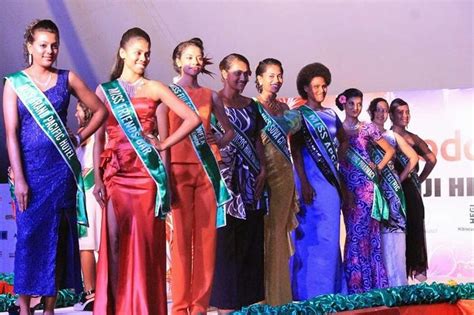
{"x": 29, "y": 35}
{"x": 307, "y": 73}
{"x": 178, "y": 50}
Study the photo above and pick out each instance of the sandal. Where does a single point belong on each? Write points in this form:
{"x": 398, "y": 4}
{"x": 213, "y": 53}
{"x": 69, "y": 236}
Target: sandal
{"x": 86, "y": 303}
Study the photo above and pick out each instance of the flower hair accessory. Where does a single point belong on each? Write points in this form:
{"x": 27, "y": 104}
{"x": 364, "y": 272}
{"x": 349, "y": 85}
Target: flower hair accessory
{"x": 342, "y": 99}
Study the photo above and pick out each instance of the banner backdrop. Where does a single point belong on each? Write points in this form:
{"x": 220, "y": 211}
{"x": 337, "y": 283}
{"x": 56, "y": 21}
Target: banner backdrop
{"x": 444, "y": 119}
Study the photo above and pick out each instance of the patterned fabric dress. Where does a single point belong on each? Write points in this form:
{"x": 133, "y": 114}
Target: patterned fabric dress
{"x": 316, "y": 266}
{"x": 239, "y": 277}
{"x": 393, "y": 231}
{"x": 363, "y": 260}
{"x": 47, "y": 228}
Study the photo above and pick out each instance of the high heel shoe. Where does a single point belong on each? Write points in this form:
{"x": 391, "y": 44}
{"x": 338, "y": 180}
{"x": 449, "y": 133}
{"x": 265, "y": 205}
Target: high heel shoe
{"x": 86, "y": 303}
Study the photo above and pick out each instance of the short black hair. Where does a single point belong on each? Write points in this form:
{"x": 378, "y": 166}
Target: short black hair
{"x": 307, "y": 73}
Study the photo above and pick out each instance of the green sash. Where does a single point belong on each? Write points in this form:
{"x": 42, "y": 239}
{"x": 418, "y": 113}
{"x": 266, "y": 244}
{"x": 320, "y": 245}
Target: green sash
{"x": 380, "y": 210}
{"x": 241, "y": 143}
{"x": 389, "y": 177}
{"x": 403, "y": 159}
{"x": 208, "y": 161}
{"x": 89, "y": 179}
{"x": 315, "y": 129}
{"x": 47, "y": 118}
{"x": 274, "y": 132}
{"x": 127, "y": 118}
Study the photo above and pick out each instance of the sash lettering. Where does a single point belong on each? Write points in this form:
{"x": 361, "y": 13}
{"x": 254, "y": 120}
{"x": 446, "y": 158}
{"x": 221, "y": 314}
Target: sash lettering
{"x": 380, "y": 210}
{"x": 127, "y": 118}
{"x": 275, "y": 133}
{"x": 43, "y": 112}
{"x": 208, "y": 161}
{"x": 315, "y": 129}
{"x": 388, "y": 176}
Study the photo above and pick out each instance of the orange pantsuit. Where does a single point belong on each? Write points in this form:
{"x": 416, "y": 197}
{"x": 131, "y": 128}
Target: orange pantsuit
{"x": 193, "y": 243}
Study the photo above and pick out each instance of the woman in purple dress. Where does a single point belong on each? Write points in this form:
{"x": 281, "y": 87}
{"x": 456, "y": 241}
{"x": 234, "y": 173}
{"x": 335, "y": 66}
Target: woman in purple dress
{"x": 364, "y": 206}
{"x": 47, "y": 253}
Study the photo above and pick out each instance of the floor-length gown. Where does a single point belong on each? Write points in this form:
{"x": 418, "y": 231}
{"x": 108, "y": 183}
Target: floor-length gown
{"x": 393, "y": 231}
{"x": 239, "y": 273}
{"x": 416, "y": 252}
{"x": 363, "y": 260}
{"x": 141, "y": 287}
{"x": 48, "y": 226}
{"x": 281, "y": 219}
{"x": 316, "y": 265}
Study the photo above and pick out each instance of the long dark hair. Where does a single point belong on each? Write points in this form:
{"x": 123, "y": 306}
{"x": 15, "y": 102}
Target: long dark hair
{"x": 178, "y": 50}
{"x": 29, "y": 36}
{"x": 135, "y": 32}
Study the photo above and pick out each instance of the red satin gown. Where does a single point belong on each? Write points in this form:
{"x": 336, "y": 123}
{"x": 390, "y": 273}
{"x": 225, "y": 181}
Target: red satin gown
{"x": 141, "y": 243}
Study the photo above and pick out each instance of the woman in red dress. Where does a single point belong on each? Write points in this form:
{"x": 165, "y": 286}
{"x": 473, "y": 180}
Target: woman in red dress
{"x": 131, "y": 271}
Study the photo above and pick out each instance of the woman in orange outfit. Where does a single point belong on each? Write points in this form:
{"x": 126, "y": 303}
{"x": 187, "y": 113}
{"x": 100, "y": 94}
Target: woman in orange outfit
{"x": 194, "y": 188}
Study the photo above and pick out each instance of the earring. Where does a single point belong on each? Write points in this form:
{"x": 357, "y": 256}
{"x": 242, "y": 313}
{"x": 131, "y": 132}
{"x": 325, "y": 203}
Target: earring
{"x": 30, "y": 59}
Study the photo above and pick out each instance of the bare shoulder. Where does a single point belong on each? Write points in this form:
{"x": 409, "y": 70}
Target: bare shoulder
{"x": 155, "y": 89}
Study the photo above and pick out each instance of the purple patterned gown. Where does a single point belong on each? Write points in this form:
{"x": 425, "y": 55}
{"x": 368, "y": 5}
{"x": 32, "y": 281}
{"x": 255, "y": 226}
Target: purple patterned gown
{"x": 363, "y": 262}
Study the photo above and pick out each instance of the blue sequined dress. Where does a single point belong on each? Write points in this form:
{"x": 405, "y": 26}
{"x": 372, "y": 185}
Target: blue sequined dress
{"x": 46, "y": 230}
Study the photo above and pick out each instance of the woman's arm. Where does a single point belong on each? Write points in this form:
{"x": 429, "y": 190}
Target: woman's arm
{"x": 343, "y": 143}
{"x": 307, "y": 191}
{"x": 389, "y": 152}
{"x": 12, "y": 126}
{"x": 163, "y": 130}
{"x": 409, "y": 152}
{"x": 219, "y": 112}
{"x": 99, "y": 143}
{"x": 91, "y": 101}
{"x": 428, "y": 156}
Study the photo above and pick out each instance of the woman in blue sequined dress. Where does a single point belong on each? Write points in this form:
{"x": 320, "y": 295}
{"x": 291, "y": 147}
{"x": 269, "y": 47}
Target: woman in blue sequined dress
{"x": 47, "y": 256}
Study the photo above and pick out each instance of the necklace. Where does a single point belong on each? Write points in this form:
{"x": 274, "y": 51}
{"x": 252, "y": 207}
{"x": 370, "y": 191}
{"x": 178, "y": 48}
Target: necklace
{"x": 351, "y": 127}
{"x": 45, "y": 83}
{"x": 132, "y": 88}
{"x": 273, "y": 104}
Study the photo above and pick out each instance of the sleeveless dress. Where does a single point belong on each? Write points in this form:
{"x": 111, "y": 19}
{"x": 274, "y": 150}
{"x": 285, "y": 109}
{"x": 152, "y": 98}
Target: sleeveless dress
{"x": 316, "y": 267}
{"x": 363, "y": 260}
{"x": 239, "y": 272}
{"x": 141, "y": 287}
{"x": 48, "y": 226}
{"x": 393, "y": 231}
{"x": 416, "y": 252}
{"x": 281, "y": 219}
